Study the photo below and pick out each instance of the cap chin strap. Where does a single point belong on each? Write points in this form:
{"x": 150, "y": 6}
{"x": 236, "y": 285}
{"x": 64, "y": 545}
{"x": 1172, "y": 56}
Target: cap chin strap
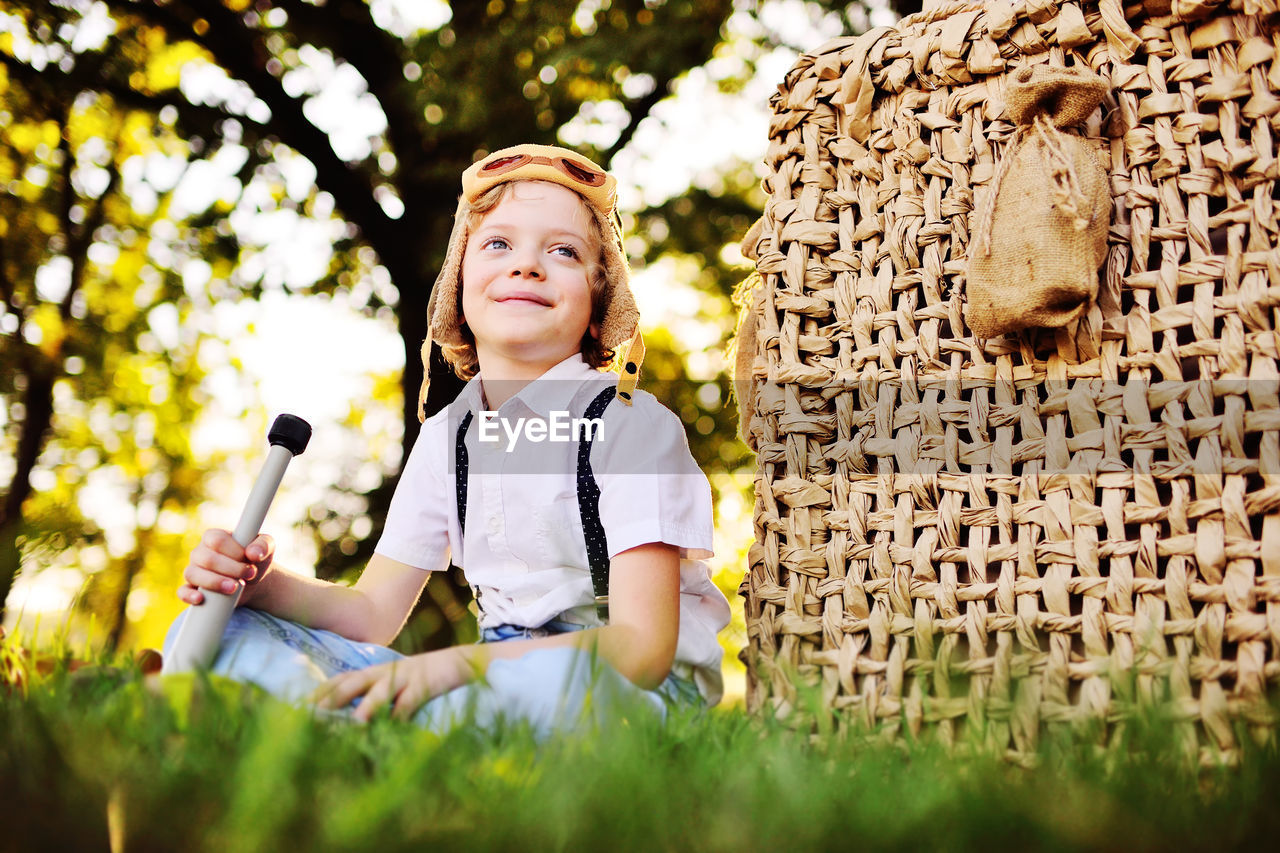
{"x": 630, "y": 374}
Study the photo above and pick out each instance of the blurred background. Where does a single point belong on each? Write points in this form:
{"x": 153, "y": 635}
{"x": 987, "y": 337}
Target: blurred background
{"x": 214, "y": 211}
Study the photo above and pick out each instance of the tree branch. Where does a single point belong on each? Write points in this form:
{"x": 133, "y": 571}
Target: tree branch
{"x": 7, "y": 290}
{"x": 79, "y": 236}
{"x": 244, "y": 57}
{"x": 637, "y": 111}
{"x": 92, "y": 77}
{"x": 37, "y": 401}
{"x": 379, "y": 57}
{"x": 41, "y": 371}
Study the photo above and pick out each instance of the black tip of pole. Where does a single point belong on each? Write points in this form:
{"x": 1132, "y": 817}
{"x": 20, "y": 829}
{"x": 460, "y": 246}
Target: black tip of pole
{"x": 290, "y": 432}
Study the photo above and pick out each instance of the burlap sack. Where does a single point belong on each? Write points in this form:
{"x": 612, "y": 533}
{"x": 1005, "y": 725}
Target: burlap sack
{"x": 1042, "y": 234}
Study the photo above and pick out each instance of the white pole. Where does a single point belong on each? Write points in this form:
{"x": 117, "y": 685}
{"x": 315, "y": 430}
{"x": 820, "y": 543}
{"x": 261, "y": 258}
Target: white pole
{"x": 201, "y": 632}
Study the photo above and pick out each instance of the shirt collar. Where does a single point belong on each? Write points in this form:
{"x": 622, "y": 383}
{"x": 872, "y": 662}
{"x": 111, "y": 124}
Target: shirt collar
{"x": 554, "y": 390}
{"x": 471, "y": 397}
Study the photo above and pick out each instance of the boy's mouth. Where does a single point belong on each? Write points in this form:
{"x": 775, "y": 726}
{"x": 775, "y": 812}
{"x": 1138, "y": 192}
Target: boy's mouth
{"x": 525, "y": 296}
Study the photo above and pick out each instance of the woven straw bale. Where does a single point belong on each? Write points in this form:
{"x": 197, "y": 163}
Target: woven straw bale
{"x": 994, "y": 537}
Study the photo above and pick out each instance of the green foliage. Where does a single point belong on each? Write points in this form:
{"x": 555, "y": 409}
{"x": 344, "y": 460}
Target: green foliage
{"x": 100, "y": 364}
{"x": 82, "y": 186}
{"x": 195, "y": 768}
{"x": 97, "y": 131}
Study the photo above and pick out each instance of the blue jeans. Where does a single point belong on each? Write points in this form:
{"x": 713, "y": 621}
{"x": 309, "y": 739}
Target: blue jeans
{"x": 549, "y": 689}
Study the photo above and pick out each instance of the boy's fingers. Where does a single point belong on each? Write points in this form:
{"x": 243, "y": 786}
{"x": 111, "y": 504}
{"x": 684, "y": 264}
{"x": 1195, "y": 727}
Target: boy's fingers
{"x": 326, "y": 695}
{"x": 216, "y": 564}
{"x": 261, "y": 548}
{"x": 222, "y": 542}
{"x": 219, "y": 564}
{"x": 320, "y": 696}
{"x": 338, "y": 691}
{"x": 202, "y": 578}
{"x": 227, "y": 566}
{"x": 408, "y": 702}
{"x": 212, "y": 537}
{"x": 376, "y": 685}
{"x": 378, "y": 695}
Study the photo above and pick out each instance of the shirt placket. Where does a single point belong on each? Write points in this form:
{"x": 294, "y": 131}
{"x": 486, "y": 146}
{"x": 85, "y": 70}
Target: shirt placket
{"x": 493, "y": 519}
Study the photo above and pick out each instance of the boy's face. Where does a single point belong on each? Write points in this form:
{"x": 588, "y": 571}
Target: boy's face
{"x": 525, "y": 291}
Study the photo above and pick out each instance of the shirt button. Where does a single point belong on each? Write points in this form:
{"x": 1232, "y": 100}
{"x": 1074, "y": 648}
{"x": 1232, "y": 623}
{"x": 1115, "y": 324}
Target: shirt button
{"x": 494, "y": 525}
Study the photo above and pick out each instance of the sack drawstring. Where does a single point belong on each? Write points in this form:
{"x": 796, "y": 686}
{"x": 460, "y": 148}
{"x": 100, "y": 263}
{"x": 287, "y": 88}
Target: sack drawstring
{"x": 1067, "y": 195}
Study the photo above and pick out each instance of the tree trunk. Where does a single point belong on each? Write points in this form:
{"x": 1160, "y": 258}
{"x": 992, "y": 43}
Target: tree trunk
{"x": 38, "y": 403}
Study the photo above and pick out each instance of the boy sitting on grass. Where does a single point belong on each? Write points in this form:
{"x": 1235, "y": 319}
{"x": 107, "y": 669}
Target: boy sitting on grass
{"x": 569, "y": 499}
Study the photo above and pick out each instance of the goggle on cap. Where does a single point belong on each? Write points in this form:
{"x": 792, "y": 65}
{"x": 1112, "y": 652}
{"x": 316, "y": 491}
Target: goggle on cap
{"x": 620, "y": 321}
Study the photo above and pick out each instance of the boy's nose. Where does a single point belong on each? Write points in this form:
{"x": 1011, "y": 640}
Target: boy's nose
{"x": 526, "y": 269}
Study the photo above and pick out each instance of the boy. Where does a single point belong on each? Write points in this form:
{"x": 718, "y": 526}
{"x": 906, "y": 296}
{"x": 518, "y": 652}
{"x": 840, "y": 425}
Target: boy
{"x": 532, "y": 299}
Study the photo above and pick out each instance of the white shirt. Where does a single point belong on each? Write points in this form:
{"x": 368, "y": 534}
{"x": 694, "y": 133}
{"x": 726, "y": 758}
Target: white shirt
{"x": 524, "y": 550}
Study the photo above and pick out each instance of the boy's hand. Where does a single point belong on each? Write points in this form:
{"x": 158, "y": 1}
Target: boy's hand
{"x": 219, "y": 561}
{"x": 406, "y": 684}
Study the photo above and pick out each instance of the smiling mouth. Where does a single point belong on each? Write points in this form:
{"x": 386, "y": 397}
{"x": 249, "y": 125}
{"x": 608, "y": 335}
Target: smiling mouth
{"x": 525, "y": 297}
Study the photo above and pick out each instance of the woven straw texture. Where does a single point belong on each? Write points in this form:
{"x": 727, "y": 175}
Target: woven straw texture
{"x": 991, "y": 538}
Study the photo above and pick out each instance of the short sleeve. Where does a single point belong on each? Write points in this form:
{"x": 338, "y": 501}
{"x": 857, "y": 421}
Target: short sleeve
{"x": 651, "y": 489}
{"x": 417, "y": 528}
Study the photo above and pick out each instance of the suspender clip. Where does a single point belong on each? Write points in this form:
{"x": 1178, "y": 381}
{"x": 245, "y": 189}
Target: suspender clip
{"x": 602, "y": 608}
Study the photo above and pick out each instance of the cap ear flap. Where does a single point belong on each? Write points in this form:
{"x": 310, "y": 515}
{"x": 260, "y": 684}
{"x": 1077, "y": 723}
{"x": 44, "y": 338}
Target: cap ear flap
{"x": 443, "y": 316}
{"x": 620, "y": 317}
{"x": 426, "y": 376}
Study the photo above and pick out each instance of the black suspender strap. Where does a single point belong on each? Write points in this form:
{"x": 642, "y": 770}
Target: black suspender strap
{"x": 460, "y": 465}
{"x": 589, "y": 507}
{"x": 588, "y": 497}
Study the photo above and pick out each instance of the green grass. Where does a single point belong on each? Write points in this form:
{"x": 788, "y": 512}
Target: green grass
{"x": 225, "y": 769}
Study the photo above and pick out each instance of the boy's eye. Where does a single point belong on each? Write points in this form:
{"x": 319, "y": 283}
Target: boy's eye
{"x": 496, "y": 243}
{"x": 566, "y": 251}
